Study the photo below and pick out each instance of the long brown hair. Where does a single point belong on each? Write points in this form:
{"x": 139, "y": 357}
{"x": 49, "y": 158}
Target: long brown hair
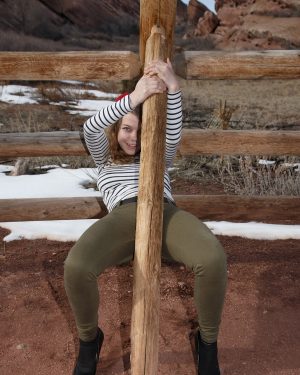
{"x": 117, "y": 154}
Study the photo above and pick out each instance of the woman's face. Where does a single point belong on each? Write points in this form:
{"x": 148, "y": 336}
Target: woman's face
{"x": 129, "y": 134}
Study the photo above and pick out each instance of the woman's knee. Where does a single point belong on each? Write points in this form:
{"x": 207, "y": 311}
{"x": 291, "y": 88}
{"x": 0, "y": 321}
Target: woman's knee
{"x": 75, "y": 269}
{"x": 212, "y": 262}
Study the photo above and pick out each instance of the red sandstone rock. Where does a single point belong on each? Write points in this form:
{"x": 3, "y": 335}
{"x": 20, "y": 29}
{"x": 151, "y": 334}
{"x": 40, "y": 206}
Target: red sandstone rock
{"x": 242, "y": 24}
{"x": 206, "y": 24}
{"x": 230, "y": 17}
{"x": 257, "y": 24}
{"x": 195, "y": 10}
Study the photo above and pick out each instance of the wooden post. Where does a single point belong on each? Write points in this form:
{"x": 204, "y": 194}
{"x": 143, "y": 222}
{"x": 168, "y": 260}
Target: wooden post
{"x": 146, "y": 293}
{"x": 147, "y": 262}
{"x": 157, "y": 12}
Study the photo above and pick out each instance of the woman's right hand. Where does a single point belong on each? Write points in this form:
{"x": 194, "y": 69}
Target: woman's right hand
{"x": 146, "y": 87}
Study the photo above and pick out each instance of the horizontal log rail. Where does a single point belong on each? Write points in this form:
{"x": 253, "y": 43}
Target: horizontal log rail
{"x": 240, "y": 142}
{"x": 277, "y": 209}
{"x": 84, "y": 65}
{"x": 194, "y": 142}
{"x": 122, "y": 65}
{"x": 273, "y": 64}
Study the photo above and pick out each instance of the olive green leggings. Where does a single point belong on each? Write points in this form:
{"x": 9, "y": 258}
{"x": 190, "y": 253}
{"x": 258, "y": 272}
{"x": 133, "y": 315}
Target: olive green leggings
{"x": 110, "y": 242}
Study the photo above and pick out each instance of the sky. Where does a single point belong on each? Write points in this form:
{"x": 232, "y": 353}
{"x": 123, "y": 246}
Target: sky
{"x": 209, "y": 3}
{"x": 72, "y": 184}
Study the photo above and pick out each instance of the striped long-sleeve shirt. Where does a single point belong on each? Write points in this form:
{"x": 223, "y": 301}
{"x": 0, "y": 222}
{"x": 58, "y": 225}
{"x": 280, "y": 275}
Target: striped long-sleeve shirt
{"x": 120, "y": 181}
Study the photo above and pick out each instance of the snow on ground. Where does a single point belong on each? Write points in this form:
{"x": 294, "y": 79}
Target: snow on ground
{"x": 20, "y": 94}
{"x": 63, "y": 182}
{"x": 60, "y": 182}
{"x": 88, "y": 108}
{"x": 17, "y": 94}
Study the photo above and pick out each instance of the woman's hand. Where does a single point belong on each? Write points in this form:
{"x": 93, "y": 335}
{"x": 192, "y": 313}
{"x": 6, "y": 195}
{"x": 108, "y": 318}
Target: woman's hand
{"x": 165, "y": 72}
{"x": 146, "y": 86}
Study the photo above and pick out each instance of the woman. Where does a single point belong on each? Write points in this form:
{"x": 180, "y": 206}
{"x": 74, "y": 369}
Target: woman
{"x": 113, "y": 139}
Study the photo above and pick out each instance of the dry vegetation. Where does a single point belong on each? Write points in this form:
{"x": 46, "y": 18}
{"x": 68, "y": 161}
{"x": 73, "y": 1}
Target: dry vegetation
{"x": 242, "y": 175}
{"x": 236, "y": 175}
{"x": 247, "y": 176}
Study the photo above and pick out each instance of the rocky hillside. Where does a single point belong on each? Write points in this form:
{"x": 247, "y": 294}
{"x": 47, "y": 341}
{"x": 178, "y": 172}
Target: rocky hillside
{"x": 113, "y": 24}
{"x": 247, "y": 24}
{"x": 53, "y": 18}
{"x": 80, "y": 24}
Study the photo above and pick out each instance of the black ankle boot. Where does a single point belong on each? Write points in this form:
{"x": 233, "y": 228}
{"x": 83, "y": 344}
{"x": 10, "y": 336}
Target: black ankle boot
{"x": 89, "y": 355}
{"x": 207, "y": 357}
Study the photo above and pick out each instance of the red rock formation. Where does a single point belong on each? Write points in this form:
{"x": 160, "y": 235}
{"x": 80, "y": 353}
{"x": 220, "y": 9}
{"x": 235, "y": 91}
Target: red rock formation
{"x": 195, "y": 10}
{"x": 254, "y": 24}
{"x": 206, "y": 24}
{"x": 238, "y": 25}
{"x": 267, "y": 24}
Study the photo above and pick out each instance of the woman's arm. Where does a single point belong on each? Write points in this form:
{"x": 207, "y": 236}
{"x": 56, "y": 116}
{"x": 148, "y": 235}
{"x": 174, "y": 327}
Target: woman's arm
{"x": 174, "y": 106}
{"x": 93, "y": 128}
{"x": 173, "y": 126}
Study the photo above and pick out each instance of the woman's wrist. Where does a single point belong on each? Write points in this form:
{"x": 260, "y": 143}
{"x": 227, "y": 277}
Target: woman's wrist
{"x": 133, "y": 100}
{"x": 173, "y": 85}
{"x": 173, "y": 88}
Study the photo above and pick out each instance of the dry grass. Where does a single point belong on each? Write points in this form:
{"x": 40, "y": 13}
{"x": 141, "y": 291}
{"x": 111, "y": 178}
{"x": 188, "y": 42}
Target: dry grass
{"x": 55, "y": 92}
{"x": 36, "y": 165}
{"x": 245, "y": 175}
{"x": 238, "y": 175}
{"x": 221, "y": 116}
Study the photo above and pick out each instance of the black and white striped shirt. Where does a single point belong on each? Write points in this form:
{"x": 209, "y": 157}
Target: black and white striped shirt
{"x": 120, "y": 181}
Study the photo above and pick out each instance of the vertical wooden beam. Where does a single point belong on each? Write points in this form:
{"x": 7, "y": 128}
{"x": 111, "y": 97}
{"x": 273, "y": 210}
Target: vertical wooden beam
{"x": 161, "y": 13}
{"x": 147, "y": 261}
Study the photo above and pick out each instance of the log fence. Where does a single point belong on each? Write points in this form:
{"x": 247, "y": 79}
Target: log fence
{"x": 194, "y": 142}
{"x": 124, "y": 65}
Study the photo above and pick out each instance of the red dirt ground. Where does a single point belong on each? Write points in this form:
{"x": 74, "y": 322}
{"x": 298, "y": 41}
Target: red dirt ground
{"x": 260, "y": 328}
{"x": 260, "y": 331}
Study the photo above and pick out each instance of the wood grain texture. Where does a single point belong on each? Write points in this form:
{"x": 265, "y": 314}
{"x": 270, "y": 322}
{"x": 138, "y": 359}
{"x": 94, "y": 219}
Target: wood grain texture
{"x": 268, "y": 209}
{"x": 147, "y": 259}
{"x": 157, "y": 12}
{"x": 240, "y": 142}
{"x": 85, "y": 66}
{"x": 35, "y": 209}
{"x": 42, "y": 144}
{"x": 238, "y": 65}
{"x": 193, "y": 142}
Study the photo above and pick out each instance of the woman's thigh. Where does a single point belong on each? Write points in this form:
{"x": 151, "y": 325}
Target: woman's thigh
{"x": 108, "y": 242}
{"x": 187, "y": 240}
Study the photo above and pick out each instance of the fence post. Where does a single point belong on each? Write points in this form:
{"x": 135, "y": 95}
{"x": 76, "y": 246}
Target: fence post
{"x": 147, "y": 262}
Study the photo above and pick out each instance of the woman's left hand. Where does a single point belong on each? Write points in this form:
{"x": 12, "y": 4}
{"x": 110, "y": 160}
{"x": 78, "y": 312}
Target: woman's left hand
{"x": 165, "y": 72}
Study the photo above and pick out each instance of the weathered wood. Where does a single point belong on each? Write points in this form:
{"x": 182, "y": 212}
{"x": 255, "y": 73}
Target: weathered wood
{"x": 269, "y": 209}
{"x": 240, "y": 142}
{"x": 42, "y": 144}
{"x": 161, "y": 13}
{"x": 238, "y": 65}
{"x": 84, "y": 65}
{"x": 194, "y": 142}
{"x": 118, "y": 65}
{"x": 147, "y": 259}
{"x": 35, "y": 209}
